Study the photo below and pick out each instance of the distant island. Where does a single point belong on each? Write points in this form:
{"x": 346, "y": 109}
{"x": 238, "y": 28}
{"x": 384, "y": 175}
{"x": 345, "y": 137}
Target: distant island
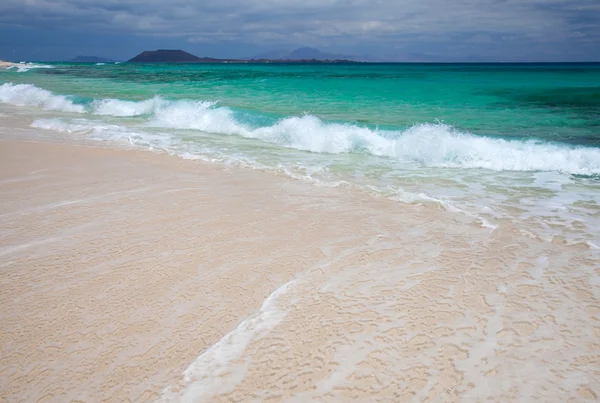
{"x": 180, "y": 56}
{"x": 90, "y": 59}
{"x": 169, "y": 56}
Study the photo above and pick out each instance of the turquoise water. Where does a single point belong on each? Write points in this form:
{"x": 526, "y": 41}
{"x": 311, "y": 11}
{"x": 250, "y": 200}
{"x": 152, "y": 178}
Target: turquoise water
{"x": 549, "y": 101}
{"x": 494, "y": 142}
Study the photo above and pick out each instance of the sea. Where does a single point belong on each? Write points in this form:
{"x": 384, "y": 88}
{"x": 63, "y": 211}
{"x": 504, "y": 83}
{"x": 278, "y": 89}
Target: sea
{"x": 497, "y": 143}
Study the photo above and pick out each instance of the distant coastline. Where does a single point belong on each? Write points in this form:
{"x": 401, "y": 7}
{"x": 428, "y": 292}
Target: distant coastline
{"x": 7, "y": 65}
{"x": 180, "y": 56}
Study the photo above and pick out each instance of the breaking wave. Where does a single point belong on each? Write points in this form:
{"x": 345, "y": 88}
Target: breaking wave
{"x": 23, "y": 67}
{"x": 30, "y": 95}
{"x": 432, "y": 145}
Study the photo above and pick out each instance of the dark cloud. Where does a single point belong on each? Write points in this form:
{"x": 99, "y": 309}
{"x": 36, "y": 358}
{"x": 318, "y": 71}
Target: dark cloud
{"x": 544, "y": 29}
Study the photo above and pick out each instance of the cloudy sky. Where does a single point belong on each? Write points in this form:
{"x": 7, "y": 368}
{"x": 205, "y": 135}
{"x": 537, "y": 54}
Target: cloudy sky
{"x": 410, "y": 30}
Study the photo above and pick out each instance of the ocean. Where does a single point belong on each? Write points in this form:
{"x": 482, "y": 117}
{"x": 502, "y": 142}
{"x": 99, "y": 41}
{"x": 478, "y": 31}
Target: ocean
{"x": 516, "y": 143}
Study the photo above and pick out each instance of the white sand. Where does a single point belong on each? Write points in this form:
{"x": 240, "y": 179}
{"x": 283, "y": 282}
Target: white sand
{"x": 120, "y": 271}
{"x": 5, "y": 65}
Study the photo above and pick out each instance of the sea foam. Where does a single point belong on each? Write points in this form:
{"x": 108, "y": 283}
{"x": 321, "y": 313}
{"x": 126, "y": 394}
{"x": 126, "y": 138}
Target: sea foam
{"x": 215, "y": 371}
{"x": 430, "y": 145}
{"x": 122, "y": 108}
{"x": 24, "y": 67}
{"x": 76, "y": 126}
{"x": 30, "y": 95}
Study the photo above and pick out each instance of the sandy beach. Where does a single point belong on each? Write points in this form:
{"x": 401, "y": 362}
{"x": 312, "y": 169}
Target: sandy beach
{"x": 134, "y": 276}
{"x": 5, "y": 65}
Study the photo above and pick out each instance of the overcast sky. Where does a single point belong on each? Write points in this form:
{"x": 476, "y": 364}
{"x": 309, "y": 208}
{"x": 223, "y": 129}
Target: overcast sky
{"x": 442, "y": 30}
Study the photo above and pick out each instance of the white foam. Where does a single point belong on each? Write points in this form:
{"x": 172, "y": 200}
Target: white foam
{"x": 197, "y": 115}
{"x": 487, "y": 224}
{"x": 117, "y": 107}
{"x": 430, "y": 145}
{"x": 30, "y": 95}
{"x": 108, "y": 132}
{"x": 441, "y": 146}
{"x": 213, "y": 372}
{"x": 24, "y": 67}
{"x": 75, "y": 126}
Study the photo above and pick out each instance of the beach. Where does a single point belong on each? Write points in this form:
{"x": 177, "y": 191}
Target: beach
{"x": 6, "y": 65}
{"x": 135, "y": 275}
{"x": 126, "y": 266}
{"x": 269, "y": 233}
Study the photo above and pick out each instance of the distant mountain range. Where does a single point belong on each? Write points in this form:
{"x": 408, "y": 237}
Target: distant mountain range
{"x": 305, "y": 54}
{"x": 90, "y": 59}
{"x": 302, "y": 55}
{"x": 391, "y": 57}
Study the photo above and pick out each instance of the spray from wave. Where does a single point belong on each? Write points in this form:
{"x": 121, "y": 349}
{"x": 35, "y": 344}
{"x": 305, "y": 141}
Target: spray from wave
{"x": 24, "y": 67}
{"x": 121, "y": 108}
{"x": 30, "y": 95}
{"x": 431, "y": 145}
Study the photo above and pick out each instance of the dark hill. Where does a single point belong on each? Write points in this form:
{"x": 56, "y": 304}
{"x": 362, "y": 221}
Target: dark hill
{"x": 168, "y": 56}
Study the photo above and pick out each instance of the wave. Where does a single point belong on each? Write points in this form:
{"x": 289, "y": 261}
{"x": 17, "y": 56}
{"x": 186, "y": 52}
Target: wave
{"x": 174, "y": 113}
{"x": 430, "y": 145}
{"x": 76, "y": 126}
{"x": 442, "y": 146}
{"x": 24, "y": 67}
{"x": 30, "y": 95}
{"x": 103, "y": 132}
{"x": 121, "y": 108}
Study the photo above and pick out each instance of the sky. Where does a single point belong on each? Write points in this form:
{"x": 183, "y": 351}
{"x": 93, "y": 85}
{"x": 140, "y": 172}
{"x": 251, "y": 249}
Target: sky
{"x": 383, "y": 30}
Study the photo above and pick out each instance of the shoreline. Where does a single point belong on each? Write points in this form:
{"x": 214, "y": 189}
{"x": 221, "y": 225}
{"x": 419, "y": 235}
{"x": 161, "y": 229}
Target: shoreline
{"x": 122, "y": 269}
{"x": 7, "y": 65}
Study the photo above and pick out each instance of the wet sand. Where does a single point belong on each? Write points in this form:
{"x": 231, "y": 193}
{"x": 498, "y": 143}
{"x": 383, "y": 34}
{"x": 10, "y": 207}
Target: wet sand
{"x": 132, "y": 275}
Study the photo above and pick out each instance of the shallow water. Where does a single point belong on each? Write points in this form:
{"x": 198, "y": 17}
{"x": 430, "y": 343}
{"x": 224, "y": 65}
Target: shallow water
{"x": 513, "y": 142}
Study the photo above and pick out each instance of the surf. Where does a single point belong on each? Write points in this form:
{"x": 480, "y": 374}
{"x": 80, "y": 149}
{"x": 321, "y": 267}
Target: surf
{"x": 30, "y": 95}
{"x": 434, "y": 145}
